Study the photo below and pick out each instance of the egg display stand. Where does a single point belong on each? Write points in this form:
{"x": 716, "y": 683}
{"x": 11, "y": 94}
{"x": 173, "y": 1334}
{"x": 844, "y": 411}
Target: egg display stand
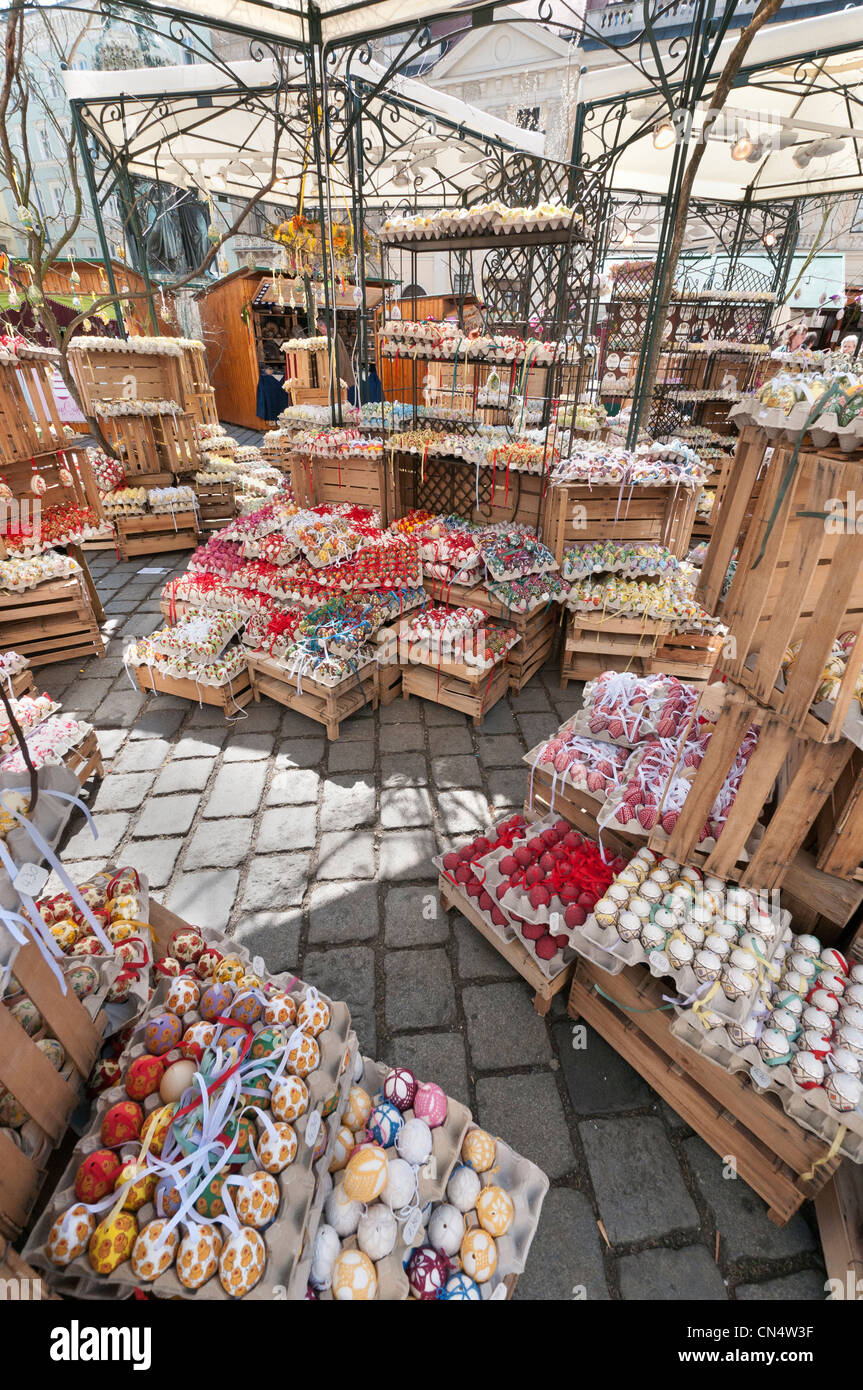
{"x": 579, "y": 512}
{"x": 362, "y": 482}
{"x": 230, "y": 697}
{"x": 772, "y": 1152}
{"x": 465, "y": 688}
{"x": 53, "y": 622}
{"x": 154, "y": 533}
{"x": 329, "y": 705}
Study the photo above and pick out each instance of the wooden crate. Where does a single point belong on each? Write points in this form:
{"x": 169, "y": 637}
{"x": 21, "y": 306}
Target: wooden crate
{"x": 30, "y": 422}
{"x": 360, "y": 482}
{"x": 149, "y": 444}
{"x": 113, "y": 375}
{"x": 772, "y": 1152}
{"x": 217, "y": 504}
{"x": 690, "y": 656}
{"x": 537, "y": 630}
{"x": 228, "y": 698}
{"x": 737, "y": 497}
{"x": 154, "y": 533}
{"x": 457, "y": 686}
{"x": 840, "y": 823}
{"x": 327, "y": 704}
{"x": 576, "y": 513}
{"x": 22, "y": 684}
{"x": 593, "y": 644}
{"x": 48, "y": 1096}
{"x": 451, "y": 486}
{"x": 839, "y": 1210}
{"x": 53, "y": 622}
{"x": 67, "y": 477}
{"x": 199, "y": 395}
{"x": 518, "y": 956}
{"x": 85, "y": 759}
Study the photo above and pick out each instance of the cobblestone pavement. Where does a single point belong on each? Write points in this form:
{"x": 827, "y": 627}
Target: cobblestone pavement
{"x": 318, "y": 856}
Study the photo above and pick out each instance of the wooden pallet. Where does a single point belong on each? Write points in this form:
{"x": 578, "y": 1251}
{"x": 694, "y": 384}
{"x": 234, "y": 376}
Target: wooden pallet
{"x": 153, "y": 534}
{"x": 85, "y": 759}
{"x": 840, "y": 823}
{"x": 577, "y": 512}
{"x": 457, "y": 686}
{"x": 537, "y": 630}
{"x": 772, "y": 1153}
{"x": 360, "y": 482}
{"x": 329, "y": 705}
{"x": 229, "y": 698}
{"x": 513, "y": 951}
{"x": 217, "y": 504}
{"x": 48, "y": 1096}
{"x": 153, "y": 443}
{"x": 53, "y": 622}
{"x": 839, "y": 1209}
{"x": 737, "y": 497}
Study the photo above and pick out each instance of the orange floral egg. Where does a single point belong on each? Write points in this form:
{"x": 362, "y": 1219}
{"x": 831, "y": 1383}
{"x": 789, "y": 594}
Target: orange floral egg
{"x": 153, "y": 1251}
{"x": 290, "y": 1098}
{"x": 277, "y": 1151}
{"x": 242, "y": 1261}
{"x": 313, "y": 1017}
{"x": 159, "y": 1122}
{"x": 111, "y": 1242}
{"x": 121, "y": 1123}
{"x": 141, "y": 1190}
{"x": 96, "y": 1175}
{"x": 183, "y": 995}
{"x": 281, "y": 1008}
{"x": 257, "y": 1200}
{"x": 358, "y": 1108}
{"x": 70, "y": 1235}
{"x": 304, "y": 1056}
{"x": 198, "y": 1255}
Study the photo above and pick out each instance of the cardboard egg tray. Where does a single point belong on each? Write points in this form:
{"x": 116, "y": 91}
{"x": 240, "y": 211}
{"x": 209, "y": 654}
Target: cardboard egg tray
{"x": 603, "y": 947}
{"x": 810, "y": 1109}
{"x": 284, "y": 1237}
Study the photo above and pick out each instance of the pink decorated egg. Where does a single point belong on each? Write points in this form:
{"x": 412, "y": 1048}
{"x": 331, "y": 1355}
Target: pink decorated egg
{"x": 430, "y": 1104}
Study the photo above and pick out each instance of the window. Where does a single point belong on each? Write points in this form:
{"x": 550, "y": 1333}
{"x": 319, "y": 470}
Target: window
{"x": 90, "y": 251}
{"x": 856, "y": 227}
{"x": 528, "y": 117}
{"x": 43, "y": 142}
{"x": 56, "y": 197}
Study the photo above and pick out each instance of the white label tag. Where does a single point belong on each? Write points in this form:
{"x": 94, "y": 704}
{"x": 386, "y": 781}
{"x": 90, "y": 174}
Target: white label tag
{"x": 412, "y": 1226}
{"x": 313, "y": 1128}
{"x": 258, "y": 967}
{"x": 554, "y": 923}
{"x": 429, "y": 1168}
{"x": 153, "y": 569}
{"x": 31, "y": 879}
{"x": 499, "y": 1292}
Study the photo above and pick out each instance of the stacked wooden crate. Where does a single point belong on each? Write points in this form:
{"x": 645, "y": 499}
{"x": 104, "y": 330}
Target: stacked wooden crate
{"x": 537, "y": 630}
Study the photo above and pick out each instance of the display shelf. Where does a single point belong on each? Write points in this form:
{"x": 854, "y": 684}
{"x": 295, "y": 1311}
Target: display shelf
{"x": 230, "y": 698}
{"x": 489, "y": 240}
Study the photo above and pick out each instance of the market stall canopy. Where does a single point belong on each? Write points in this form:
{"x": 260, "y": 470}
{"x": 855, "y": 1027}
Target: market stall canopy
{"x": 798, "y": 106}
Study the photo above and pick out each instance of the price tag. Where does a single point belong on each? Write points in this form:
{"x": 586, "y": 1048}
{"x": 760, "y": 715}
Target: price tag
{"x": 429, "y": 1168}
{"x": 31, "y": 879}
{"x": 412, "y": 1226}
{"x": 554, "y": 923}
{"x": 258, "y": 967}
{"x": 153, "y": 569}
{"x": 313, "y": 1128}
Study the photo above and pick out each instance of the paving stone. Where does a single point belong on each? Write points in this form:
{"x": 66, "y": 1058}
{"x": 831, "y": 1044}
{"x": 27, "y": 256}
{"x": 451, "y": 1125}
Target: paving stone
{"x": 300, "y": 752}
{"x": 276, "y": 881}
{"x": 462, "y": 810}
{"x": 401, "y": 712}
{"x": 447, "y": 742}
{"x": 190, "y": 775}
{"x": 123, "y": 791}
{"x": 436, "y": 715}
{"x": 503, "y": 1028}
{"x": 626, "y": 1157}
{"x": 158, "y": 723}
{"x": 405, "y": 806}
{"x": 477, "y": 958}
{"x": 262, "y": 718}
{"x": 533, "y": 698}
{"x": 456, "y": 772}
{"x": 419, "y": 990}
{"x": 401, "y": 738}
{"x": 499, "y": 720}
{"x": 247, "y": 747}
{"x": 110, "y": 829}
{"x": 409, "y": 771}
{"x": 413, "y": 916}
{"x": 536, "y": 728}
{"x": 219, "y": 842}
{"x": 507, "y": 789}
{"x": 526, "y": 1109}
{"x": 296, "y": 725}
{"x": 407, "y": 854}
{"x": 808, "y": 1284}
{"x": 203, "y": 743}
{"x": 286, "y": 827}
{"x": 169, "y": 815}
{"x": 208, "y": 717}
{"x": 110, "y": 742}
{"x": 351, "y": 756}
{"x": 503, "y": 750}
{"x": 348, "y": 974}
{"x": 119, "y": 709}
{"x": 141, "y": 757}
{"x": 85, "y": 695}
{"x": 237, "y": 790}
{"x": 292, "y": 787}
{"x": 438, "y": 1056}
{"x": 740, "y": 1214}
{"x": 343, "y": 912}
{"x": 156, "y": 859}
{"x": 349, "y": 800}
{"x": 344, "y": 854}
{"x": 598, "y": 1079}
{"x": 671, "y": 1276}
{"x": 566, "y": 1254}
{"x": 205, "y": 898}
{"x": 273, "y": 935}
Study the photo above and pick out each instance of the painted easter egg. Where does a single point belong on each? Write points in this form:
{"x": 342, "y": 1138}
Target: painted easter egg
{"x": 479, "y": 1254}
{"x": 400, "y": 1087}
{"x": 122, "y": 1123}
{"x": 304, "y": 1056}
{"x": 281, "y": 1009}
{"x": 354, "y": 1278}
{"x": 141, "y": 1188}
{"x": 357, "y": 1109}
{"x": 268, "y": 1041}
{"x": 257, "y": 1200}
{"x": 143, "y": 1076}
{"x": 198, "y": 1255}
{"x": 495, "y": 1210}
{"x": 159, "y": 1124}
{"x": 430, "y": 1104}
{"x": 154, "y": 1251}
{"x": 366, "y": 1174}
{"x": 427, "y": 1272}
{"x": 478, "y": 1150}
{"x": 241, "y": 1263}
{"x": 183, "y": 995}
{"x": 290, "y": 1097}
{"x": 161, "y": 1033}
{"x": 384, "y": 1123}
{"x": 70, "y": 1235}
{"x": 112, "y": 1241}
{"x": 215, "y": 1001}
{"x": 313, "y": 1016}
{"x": 96, "y": 1175}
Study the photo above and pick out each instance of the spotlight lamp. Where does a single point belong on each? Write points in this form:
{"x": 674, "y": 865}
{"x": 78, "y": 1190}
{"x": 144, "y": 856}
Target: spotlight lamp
{"x": 628, "y": 239}
{"x": 742, "y": 148}
{"x": 769, "y": 239}
{"x": 664, "y": 134}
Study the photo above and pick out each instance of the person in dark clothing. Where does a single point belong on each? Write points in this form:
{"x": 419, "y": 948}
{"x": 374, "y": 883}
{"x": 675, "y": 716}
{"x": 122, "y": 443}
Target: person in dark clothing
{"x": 272, "y": 399}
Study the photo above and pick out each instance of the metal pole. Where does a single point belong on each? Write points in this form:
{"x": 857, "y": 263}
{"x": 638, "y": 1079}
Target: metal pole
{"x": 87, "y": 161}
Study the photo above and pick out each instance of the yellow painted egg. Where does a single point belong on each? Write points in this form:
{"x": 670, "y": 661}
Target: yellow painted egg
{"x": 70, "y": 1235}
{"x": 478, "y": 1254}
{"x": 154, "y": 1252}
{"x": 290, "y": 1098}
{"x": 354, "y": 1277}
{"x": 183, "y": 995}
{"x": 358, "y": 1108}
{"x": 313, "y": 1016}
{"x": 366, "y": 1173}
{"x": 111, "y": 1242}
{"x": 12, "y": 1112}
{"x": 119, "y": 931}
{"x": 141, "y": 1190}
{"x": 280, "y": 1009}
{"x": 342, "y": 1149}
{"x": 230, "y": 969}
{"x": 277, "y": 1151}
{"x": 198, "y": 1255}
{"x": 304, "y": 1056}
{"x": 65, "y": 934}
{"x": 478, "y": 1150}
{"x": 257, "y": 1200}
{"x": 241, "y": 1262}
{"x": 495, "y": 1210}
{"x": 159, "y": 1122}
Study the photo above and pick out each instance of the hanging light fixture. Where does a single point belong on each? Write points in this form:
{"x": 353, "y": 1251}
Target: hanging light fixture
{"x": 628, "y": 238}
{"x": 664, "y": 134}
{"x": 742, "y": 148}
{"x": 769, "y": 239}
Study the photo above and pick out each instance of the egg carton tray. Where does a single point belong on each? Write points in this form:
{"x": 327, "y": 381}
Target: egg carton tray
{"x": 284, "y": 1236}
{"x": 778, "y": 425}
{"x": 809, "y": 1109}
{"x": 603, "y": 947}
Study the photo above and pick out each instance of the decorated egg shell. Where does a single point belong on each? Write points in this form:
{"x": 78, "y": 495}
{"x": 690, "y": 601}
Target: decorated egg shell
{"x": 27, "y": 1016}
{"x": 463, "y": 1188}
{"x": 118, "y": 931}
{"x": 183, "y": 995}
{"x": 807, "y": 1070}
{"x": 65, "y": 934}
{"x": 154, "y": 1251}
{"x": 112, "y": 1241}
{"x": 366, "y": 1174}
{"x": 343, "y": 1147}
{"x": 399, "y": 1087}
{"x": 478, "y": 1150}
{"x": 313, "y": 1016}
{"x": 215, "y": 1001}
{"x": 143, "y": 1076}
{"x": 277, "y": 1149}
{"x": 196, "y": 1039}
{"x": 230, "y": 969}
{"x": 479, "y": 1254}
{"x": 324, "y": 1254}
{"x": 176, "y": 1080}
{"x": 384, "y": 1123}
{"x": 198, "y": 1255}
{"x": 304, "y": 1056}
{"x": 342, "y": 1212}
{"x": 268, "y": 1041}
{"x": 159, "y": 1124}
{"x": 844, "y": 1091}
{"x": 281, "y": 1009}
{"x": 186, "y": 945}
{"x": 245, "y": 1008}
{"x": 53, "y": 1050}
{"x": 209, "y": 1203}
{"x": 161, "y": 1033}
{"x": 446, "y": 1229}
{"x": 141, "y": 1187}
{"x": 105, "y": 1074}
{"x": 207, "y": 963}
{"x": 87, "y": 946}
{"x": 256, "y": 1199}
{"x": 83, "y": 979}
{"x": 461, "y": 1288}
{"x": 96, "y": 1175}
{"x": 495, "y": 1210}
{"x": 357, "y": 1109}
{"x": 430, "y": 1104}
{"x": 121, "y": 1123}
{"x": 354, "y": 1278}
{"x": 377, "y": 1231}
{"x": 167, "y": 1197}
{"x": 243, "y": 1129}
{"x": 70, "y": 1235}
{"x": 414, "y": 1141}
{"x": 169, "y": 966}
{"x": 290, "y": 1097}
{"x": 427, "y": 1272}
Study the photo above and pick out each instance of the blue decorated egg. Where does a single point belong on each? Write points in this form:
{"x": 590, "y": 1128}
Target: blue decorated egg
{"x": 384, "y": 1123}
{"x": 460, "y": 1287}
